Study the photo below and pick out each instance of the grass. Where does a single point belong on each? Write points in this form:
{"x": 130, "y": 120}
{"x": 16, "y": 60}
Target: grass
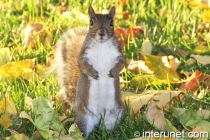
{"x": 167, "y": 22}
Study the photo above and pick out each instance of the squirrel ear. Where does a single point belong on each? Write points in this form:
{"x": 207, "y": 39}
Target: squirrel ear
{"x": 91, "y": 12}
{"x": 112, "y": 12}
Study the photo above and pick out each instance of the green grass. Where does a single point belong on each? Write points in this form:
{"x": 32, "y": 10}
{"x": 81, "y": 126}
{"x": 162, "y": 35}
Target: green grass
{"x": 166, "y": 20}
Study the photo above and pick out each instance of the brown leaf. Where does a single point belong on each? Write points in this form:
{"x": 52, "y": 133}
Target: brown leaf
{"x": 164, "y": 96}
{"x": 126, "y": 15}
{"x": 36, "y": 33}
{"x": 31, "y": 31}
{"x": 124, "y": 35}
{"x": 204, "y": 60}
{"x": 137, "y": 67}
{"x": 195, "y": 81}
{"x": 136, "y": 101}
{"x": 173, "y": 62}
{"x": 183, "y": 53}
{"x": 120, "y": 33}
{"x": 155, "y": 116}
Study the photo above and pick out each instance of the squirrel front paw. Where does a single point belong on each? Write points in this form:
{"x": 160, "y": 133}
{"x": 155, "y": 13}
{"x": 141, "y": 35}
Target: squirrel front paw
{"x": 113, "y": 72}
{"x": 94, "y": 74}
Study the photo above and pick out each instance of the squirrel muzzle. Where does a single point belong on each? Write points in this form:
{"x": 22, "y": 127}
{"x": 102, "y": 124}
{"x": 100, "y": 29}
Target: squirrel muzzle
{"x": 101, "y": 35}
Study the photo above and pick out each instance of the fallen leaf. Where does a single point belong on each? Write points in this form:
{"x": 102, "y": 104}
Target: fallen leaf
{"x": 203, "y": 131}
{"x": 137, "y": 67}
{"x": 162, "y": 68}
{"x": 30, "y": 75}
{"x": 17, "y": 137}
{"x": 25, "y": 115}
{"x": 35, "y": 33}
{"x": 201, "y": 49}
{"x": 136, "y": 101}
{"x": 195, "y": 81}
{"x": 4, "y": 56}
{"x": 13, "y": 70}
{"x": 173, "y": 62}
{"x": 126, "y": 14}
{"x": 204, "y": 114}
{"x": 155, "y": 116}
{"x": 164, "y": 96}
{"x": 204, "y": 60}
{"x": 75, "y": 132}
{"x": 142, "y": 81}
{"x": 31, "y": 31}
{"x": 7, "y": 108}
{"x": 194, "y": 3}
{"x": 189, "y": 118}
{"x": 126, "y": 35}
{"x": 146, "y": 47}
{"x": 190, "y": 61}
{"x": 5, "y": 120}
{"x": 120, "y": 33}
{"x": 206, "y": 16}
{"x": 13, "y": 132}
{"x": 7, "y": 105}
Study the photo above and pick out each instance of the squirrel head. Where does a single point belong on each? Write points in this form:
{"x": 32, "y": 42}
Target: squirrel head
{"x": 101, "y": 25}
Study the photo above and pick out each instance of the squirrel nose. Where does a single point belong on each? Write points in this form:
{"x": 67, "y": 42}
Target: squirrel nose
{"x": 101, "y": 32}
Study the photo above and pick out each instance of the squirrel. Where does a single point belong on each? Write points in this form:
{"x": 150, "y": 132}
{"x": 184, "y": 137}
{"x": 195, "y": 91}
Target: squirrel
{"x": 93, "y": 57}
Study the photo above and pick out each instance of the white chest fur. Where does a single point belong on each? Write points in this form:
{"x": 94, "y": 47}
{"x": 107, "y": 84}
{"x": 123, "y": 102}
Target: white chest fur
{"x": 102, "y": 56}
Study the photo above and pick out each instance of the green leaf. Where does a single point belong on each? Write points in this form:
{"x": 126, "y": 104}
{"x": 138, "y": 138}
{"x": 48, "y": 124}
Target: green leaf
{"x": 75, "y": 132}
{"x": 189, "y": 118}
{"x": 42, "y": 105}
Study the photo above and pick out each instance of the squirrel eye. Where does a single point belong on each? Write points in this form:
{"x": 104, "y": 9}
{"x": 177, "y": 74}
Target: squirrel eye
{"x": 91, "y": 22}
{"x": 111, "y": 22}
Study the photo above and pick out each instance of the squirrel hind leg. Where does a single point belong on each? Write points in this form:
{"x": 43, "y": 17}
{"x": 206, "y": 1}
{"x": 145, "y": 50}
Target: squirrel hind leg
{"x": 86, "y": 124}
{"x": 112, "y": 119}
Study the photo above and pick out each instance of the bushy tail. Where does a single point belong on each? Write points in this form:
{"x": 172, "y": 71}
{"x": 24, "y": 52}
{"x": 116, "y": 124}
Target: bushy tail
{"x": 66, "y": 66}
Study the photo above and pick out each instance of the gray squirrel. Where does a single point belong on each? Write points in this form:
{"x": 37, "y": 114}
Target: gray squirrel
{"x": 94, "y": 58}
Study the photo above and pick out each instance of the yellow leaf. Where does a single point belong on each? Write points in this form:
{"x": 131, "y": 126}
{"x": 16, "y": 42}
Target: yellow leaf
{"x": 4, "y": 56}
{"x": 206, "y": 16}
{"x": 195, "y": 3}
{"x": 136, "y": 101}
{"x": 18, "y": 6}
{"x": 7, "y": 105}
{"x": 145, "y": 80}
{"x": 29, "y": 74}
{"x": 162, "y": 68}
{"x": 201, "y": 49}
{"x": 13, "y": 70}
{"x": 17, "y": 137}
{"x": 41, "y": 70}
{"x": 5, "y": 120}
